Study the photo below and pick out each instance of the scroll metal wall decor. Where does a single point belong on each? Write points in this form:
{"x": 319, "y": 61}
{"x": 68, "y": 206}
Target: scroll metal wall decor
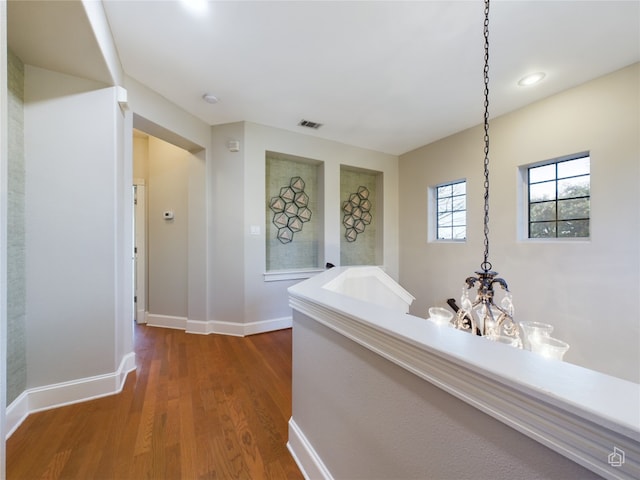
{"x": 356, "y": 213}
{"x": 290, "y": 209}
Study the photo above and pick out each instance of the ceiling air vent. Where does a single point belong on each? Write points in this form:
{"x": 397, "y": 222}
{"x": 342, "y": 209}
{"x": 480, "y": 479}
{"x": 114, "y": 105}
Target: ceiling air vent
{"x": 308, "y": 124}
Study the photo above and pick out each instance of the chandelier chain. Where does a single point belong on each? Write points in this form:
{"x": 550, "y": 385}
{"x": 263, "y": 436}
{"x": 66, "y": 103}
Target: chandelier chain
{"x": 486, "y": 265}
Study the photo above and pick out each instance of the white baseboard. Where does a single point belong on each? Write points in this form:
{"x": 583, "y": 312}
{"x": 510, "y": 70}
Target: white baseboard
{"x": 213, "y": 326}
{"x": 271, "y": 325}
{"x": 305, "y": 456}
{"x": 17, "y": 412}
{"x": 166, "y": 321}
{"x": 218, "y": 327}
{"x": 66, "y": 393}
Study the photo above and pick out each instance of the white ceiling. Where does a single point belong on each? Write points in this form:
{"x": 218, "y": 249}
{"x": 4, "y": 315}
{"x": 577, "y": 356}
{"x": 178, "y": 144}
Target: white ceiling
{"x": 385, "y": 75}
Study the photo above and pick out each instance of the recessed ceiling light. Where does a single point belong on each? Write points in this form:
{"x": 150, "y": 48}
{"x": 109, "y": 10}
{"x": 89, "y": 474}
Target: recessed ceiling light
{"x": 531, "y": 79}
{"x": 207, "y": 97}
{"x": 196, "y": 6}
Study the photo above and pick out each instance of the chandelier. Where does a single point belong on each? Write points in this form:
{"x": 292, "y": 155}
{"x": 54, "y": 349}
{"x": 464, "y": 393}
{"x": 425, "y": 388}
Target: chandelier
{"x": 483, "y": 316}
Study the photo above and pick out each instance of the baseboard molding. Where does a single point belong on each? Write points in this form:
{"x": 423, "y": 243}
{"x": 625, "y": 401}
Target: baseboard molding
{"x": 212, "y": 326}
{"x": 305, "y": 456}
{"x": 16, "y": 413}
{"x": 271, "y": 325}
{"x": 218, "y": 327}
{"x": 166, "y": 321}
{"x": 66, "y": 393}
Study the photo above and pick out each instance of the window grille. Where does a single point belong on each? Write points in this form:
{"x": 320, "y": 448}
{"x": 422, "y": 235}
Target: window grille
{"x": 559, "y": 198}
{"x": 451, "y": 211}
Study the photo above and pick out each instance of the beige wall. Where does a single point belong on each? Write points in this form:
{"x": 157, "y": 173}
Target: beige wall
{"x": 226, "y": 234}
{"x": 168, "y": 173}
{"x": 167, "y": 242}
{"x": 587, "y": 288}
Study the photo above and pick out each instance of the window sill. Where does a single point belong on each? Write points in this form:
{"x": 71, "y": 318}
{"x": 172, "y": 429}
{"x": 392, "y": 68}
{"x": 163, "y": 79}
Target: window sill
{"x": 286, "y": 275}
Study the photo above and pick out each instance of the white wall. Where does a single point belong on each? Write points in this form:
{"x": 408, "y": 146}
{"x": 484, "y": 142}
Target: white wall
{"x": 268, "y": 300}
{"x": 75, "y": 229}
{"x": 365, "y": 417}
{"x": 122, "y": 121}
{"x": 237, "y": 291}
{"x": 226, "y": 192}
{"x": 171, "y": 123}
{"x": 185, "y": 297}
{"x": 588, "y": 289}
{"x": 225, "y": 263}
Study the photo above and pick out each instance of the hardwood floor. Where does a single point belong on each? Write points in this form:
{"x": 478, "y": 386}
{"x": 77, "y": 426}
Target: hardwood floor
{"x": 198, "y": 407}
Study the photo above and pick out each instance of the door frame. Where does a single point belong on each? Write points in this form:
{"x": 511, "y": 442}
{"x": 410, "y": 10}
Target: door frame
{"x": 140, "y": 251}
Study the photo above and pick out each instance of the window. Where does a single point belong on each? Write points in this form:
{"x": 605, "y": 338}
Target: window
{"x": 451, "y": 214}
{"x": 559, "y": 198}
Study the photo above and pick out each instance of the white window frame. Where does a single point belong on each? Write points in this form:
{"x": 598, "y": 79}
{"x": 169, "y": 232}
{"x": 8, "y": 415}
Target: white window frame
{"x": 433, "y": 211}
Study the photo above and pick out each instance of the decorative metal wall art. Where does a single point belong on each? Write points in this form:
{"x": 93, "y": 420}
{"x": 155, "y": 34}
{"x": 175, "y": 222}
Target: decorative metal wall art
{"x": 290, "y": 209}
{"x": 357, "y": 213}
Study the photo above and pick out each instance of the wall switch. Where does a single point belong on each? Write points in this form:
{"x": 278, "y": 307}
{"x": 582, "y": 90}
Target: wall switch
{"x": 255, "y": 230}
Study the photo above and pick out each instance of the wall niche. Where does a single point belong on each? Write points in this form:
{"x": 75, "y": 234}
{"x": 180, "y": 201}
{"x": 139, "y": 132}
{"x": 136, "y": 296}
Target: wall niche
{"x": 361, "y": 220}
{"x": 294, "y": 216}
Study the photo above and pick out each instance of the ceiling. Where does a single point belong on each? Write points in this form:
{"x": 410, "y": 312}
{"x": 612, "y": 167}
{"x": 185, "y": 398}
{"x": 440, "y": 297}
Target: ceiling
{"x": 389, "y": 76}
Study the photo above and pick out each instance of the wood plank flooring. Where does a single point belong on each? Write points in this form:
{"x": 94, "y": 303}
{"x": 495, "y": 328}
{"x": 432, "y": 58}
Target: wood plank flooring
{"x": 198, "y": 407}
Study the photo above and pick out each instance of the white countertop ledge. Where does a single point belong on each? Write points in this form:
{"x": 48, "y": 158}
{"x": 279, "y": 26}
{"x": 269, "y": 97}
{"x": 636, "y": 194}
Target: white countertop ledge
{"x": 580, "y": 413}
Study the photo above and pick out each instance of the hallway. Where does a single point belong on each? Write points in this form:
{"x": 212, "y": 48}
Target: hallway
{"x": 198, "y": 407}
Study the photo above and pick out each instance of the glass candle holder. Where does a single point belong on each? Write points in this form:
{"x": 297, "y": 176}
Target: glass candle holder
{"x": 534, "y": 330}
{"x": 504, "y": 339}
{"x": 549, "y": 347}
{"x": 440, "y": 316}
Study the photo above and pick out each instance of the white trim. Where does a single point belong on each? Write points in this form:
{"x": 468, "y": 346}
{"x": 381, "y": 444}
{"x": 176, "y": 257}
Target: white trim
{"x": 271, "y": 325}
{"x": 67, "y": 393}
{"x": 141, "y": 316}
{"x": 578, "y": 413}
{"x": 236, "y": 329}
{"x": 216, "y": 326}
{"x": 432, "y": 207}
{"x": 305, "y": 456}
{"x": 357, "y": 283}
{"x": 283, "y": 275}
{"x": 166, "y": 321}
{"x": 17, "y": 412}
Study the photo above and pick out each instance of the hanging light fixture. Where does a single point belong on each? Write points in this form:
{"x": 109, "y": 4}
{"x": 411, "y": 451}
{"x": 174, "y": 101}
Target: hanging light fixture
{"x": 483, "y": 316}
